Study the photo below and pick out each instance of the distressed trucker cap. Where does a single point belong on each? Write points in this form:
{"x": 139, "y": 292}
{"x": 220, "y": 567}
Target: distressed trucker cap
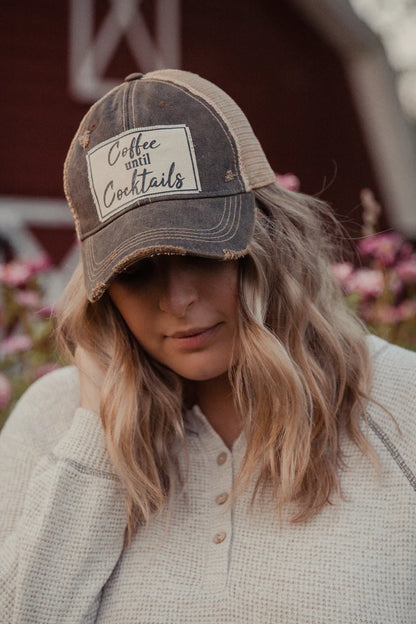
{"x": 165, "y": 163}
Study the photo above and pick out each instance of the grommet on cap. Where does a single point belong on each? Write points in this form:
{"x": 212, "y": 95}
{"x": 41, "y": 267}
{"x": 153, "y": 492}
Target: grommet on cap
{"x": 133, "y": 76}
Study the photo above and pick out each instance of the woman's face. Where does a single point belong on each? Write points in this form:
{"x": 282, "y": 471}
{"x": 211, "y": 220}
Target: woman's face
{"x": 183, "y": 312}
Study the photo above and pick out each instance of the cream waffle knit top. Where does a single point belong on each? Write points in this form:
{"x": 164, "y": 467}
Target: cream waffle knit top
{"x": 62, "y": 523}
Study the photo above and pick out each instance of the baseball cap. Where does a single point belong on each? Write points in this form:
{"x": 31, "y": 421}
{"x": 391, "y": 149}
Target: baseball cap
{"x": 164, "y": 163}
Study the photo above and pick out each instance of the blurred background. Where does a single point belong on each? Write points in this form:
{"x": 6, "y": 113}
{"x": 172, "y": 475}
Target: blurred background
{"x": 328, "y": 85}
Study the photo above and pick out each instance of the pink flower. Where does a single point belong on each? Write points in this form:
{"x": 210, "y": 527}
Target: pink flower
{"x": 42, "y": 263}
{"x": 18, "y": 272}
{"x": 16, "y": 344}
{"x": 393, "y": 315}
{"x": 386, "y": 314}
{"x": 288, "y": 180}
{"x": 342, "y": 271}
{"x": 407, "y": 270}
{"x": 394, "y": 284}
{"x": 406, "y": 310}
{"x": 368, "y": 282}
{"x": 28, "y": 299}
{"x": 406, "y": 251}
{"x": 15, "y": 273}
{"x": 383, "y": 247}
{"x": 5, "y": 391}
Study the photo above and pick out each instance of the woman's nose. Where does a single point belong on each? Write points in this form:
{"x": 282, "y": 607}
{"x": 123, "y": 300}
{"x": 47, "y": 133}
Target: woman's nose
{"x": 179, "y": 288}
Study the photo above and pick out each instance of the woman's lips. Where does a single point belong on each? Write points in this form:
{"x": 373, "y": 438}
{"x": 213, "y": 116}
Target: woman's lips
{"x": 194, "y": 338}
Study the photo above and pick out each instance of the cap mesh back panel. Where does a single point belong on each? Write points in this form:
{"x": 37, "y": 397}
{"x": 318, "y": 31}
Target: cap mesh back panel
{"x": 254, "y": 167}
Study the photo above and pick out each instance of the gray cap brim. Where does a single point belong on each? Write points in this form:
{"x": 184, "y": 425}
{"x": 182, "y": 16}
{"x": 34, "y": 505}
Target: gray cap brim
{"x": 213, "y": 227}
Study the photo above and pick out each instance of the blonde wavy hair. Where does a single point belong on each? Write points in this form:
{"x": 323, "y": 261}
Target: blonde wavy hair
{"x": 301, "y": 374}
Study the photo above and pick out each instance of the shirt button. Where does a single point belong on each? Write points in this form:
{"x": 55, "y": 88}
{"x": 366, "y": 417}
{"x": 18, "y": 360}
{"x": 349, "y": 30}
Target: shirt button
{"x": 221, "y": 459}
{"x": 220, "y": 537}
{"x": 221, "y": 498}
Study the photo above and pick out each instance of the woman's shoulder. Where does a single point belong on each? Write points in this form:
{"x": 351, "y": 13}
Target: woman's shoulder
{"x": 45, "y": 411}
{"x": 394, "y": 377}
{"x": 379, "y": 347}
{"x": 394, "y": 369}
{"x": 391, "y": 411}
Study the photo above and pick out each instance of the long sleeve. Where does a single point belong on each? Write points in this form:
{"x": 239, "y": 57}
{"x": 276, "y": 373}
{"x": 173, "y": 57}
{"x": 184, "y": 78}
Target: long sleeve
{"x": 69, "y": 534}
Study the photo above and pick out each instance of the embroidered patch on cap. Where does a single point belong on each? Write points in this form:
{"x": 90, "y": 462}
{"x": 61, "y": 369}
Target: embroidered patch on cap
{"x": 140, "y": 163}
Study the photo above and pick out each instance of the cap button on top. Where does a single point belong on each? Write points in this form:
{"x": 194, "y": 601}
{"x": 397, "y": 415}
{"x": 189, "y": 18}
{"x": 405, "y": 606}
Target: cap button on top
{"x": 133, "y": 76}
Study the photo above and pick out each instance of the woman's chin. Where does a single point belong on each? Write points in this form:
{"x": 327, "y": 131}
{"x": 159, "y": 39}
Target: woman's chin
{"x": 203, "y": 373}
{"x": 201, "y": 376}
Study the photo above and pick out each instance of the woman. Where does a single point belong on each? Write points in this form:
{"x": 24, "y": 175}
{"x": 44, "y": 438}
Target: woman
{"x": 231, "y": 446}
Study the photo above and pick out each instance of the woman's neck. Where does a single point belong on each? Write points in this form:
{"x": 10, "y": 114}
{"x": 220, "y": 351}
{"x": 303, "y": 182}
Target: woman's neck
{"x": 215, "y": 399}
